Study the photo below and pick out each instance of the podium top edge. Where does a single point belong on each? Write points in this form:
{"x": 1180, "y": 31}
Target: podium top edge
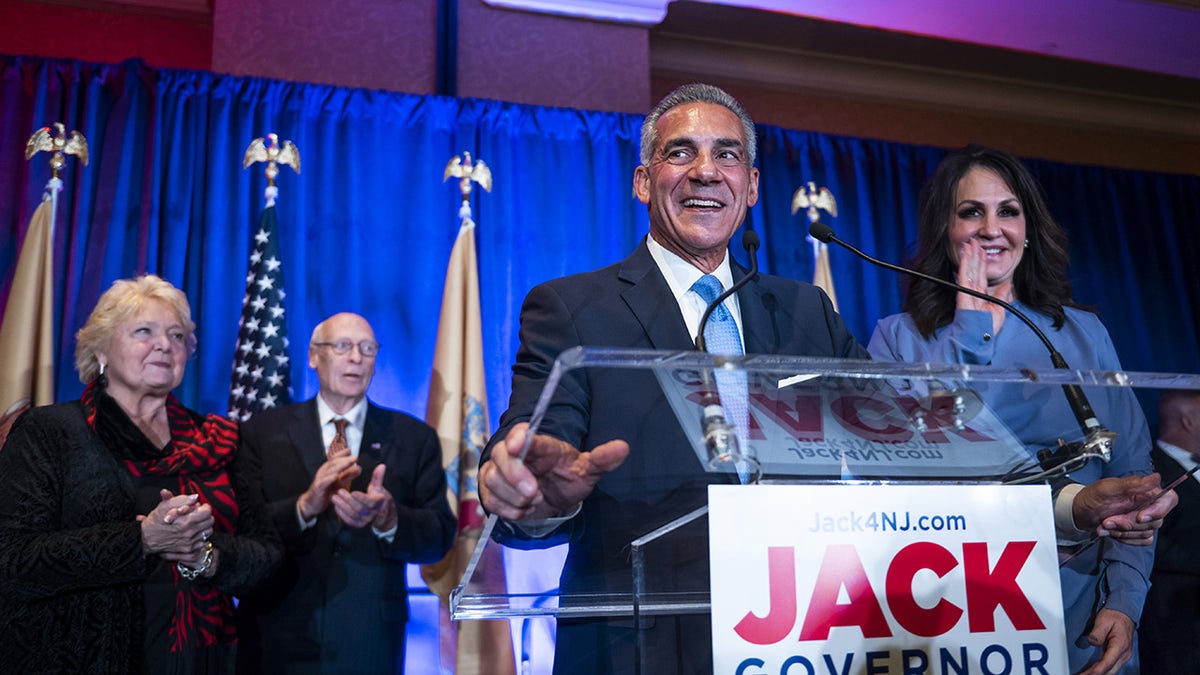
{"x": 784, "y": 367}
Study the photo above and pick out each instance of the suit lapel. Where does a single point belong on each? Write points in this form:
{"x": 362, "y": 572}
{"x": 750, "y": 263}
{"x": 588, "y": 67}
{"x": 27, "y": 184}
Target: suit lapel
{"x": 305, "y": 435}
{"x": 650, "y": 299}
{"x": 375, "y": 433}
{"x": 756, "y": 305}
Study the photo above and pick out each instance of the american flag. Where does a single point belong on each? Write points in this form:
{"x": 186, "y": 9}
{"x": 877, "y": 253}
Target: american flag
{"x": 261, "y": 377}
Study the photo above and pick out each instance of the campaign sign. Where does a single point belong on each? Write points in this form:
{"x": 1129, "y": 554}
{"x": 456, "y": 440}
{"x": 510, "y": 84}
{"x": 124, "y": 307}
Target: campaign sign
{"x": 885, "y": 580}
{"x": 856, "y": 428}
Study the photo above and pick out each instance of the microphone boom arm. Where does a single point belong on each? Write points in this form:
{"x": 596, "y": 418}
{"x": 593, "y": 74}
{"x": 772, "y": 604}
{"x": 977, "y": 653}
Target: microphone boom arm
{"x": 1098, "y": 439}
{"x": 720, "y": 439}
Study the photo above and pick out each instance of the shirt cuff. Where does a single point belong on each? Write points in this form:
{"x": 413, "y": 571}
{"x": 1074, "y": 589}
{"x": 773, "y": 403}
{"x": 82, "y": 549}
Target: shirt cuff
{"x": 304, "y": 524}
{"x": 971, "y": 332}
{"x": 536, "y": 528}
{"x": 1064, "y": 517}
{"x": 388, "y": 535}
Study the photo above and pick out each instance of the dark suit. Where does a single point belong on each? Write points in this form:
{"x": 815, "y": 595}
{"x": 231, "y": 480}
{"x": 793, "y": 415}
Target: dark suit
{"x": 339, "y": 603}
{"x": 630, "y": 305}
{"x": 1170, "y": 629}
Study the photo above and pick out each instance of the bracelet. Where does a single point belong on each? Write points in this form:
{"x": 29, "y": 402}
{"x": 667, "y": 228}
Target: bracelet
{"x": 192, "y": 574}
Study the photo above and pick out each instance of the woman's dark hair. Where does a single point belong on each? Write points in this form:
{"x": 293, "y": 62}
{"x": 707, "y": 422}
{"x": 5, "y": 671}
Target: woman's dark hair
{"x": 1040, "y": 280}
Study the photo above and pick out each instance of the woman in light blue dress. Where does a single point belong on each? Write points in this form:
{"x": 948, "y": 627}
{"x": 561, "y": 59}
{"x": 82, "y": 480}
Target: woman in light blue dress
{"x": 984, "y": 224}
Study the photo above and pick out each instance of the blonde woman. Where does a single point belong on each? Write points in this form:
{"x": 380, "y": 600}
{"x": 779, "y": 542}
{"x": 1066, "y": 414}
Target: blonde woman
{"x": 124, "y": 527}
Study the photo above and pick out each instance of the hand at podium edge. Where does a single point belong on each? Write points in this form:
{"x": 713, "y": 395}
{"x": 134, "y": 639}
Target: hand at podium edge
{"x": 552, "y": 480}
{"x": 1129, "y": 509}
{"x": 1114, "y": 631}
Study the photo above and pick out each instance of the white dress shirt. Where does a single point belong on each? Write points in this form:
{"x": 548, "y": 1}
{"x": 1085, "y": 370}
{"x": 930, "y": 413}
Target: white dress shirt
{"x": 356, "y": 416}
{"x": 681, "y": 274}
{"x": 1185, "y": 458}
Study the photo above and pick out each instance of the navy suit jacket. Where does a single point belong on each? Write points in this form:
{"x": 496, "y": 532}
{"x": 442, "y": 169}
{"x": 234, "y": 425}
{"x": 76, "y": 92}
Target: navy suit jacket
{"x": 340, "y": 601}
{"x": 1170, "y": 629}
{"x": 630, "y": 305}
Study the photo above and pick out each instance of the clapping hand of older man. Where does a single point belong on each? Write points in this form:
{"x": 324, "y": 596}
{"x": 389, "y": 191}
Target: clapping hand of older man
{"x": 375, "y": 507}
{"x": 337, "y": 470}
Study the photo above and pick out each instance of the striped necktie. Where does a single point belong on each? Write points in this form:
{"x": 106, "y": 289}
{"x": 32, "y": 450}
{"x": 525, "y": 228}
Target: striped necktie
{"x": 338, "y": 447}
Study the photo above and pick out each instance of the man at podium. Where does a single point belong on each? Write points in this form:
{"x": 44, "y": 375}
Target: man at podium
{"x": 610, "y": 463}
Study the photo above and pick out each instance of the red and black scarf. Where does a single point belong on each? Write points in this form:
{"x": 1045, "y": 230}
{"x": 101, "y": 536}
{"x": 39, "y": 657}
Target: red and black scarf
{"x": 195, "y": 461}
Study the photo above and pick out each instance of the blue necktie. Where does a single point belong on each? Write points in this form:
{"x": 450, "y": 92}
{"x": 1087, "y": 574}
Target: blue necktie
{"x": 720, "y": 333}
{"x": 721, "y": 337}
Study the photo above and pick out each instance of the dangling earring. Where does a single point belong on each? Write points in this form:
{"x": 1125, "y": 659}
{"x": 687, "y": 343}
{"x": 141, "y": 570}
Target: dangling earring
{"x": 1026, "y": 243}
{"x": 102, "y": 379}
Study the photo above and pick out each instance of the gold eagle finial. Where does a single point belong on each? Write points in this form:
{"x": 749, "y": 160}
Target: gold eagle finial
{"x": 466, "y": 171}
{"x": 271, "y": 150}
{"x": 59, "y": 143}
{"x": 809, "y": 197}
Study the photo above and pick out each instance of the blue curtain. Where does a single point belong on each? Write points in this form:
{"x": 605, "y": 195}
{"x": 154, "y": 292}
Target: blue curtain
{"x": 368, "y": 224}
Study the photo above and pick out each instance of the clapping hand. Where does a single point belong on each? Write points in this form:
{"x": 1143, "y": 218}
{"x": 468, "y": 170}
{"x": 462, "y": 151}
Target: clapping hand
{"x": 331, "y": 477}
{"x": 178, "y": 528}
{"x": 374, "y": 507}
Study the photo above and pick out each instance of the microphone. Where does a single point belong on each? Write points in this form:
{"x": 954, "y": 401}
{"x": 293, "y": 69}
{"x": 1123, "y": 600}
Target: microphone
{"x": 719, "y": 438}
{"x": 1097, "y": 439}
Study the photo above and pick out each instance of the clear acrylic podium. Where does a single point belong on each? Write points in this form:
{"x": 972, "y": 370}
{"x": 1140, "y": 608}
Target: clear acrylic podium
{"x": 811, "y": 421}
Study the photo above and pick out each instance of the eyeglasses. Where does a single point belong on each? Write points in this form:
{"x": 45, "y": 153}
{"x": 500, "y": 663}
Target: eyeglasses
{"x": 342, "y": 347}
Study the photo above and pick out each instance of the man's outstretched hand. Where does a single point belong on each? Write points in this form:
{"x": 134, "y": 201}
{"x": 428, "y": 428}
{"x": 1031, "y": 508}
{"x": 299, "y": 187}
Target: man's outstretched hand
{"x": 552, "y": 480}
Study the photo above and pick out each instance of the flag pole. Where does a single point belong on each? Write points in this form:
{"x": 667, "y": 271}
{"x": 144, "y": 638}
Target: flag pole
{"x": 55, "y": 140}
{"x": 59, "y": 144}
{"x": 458, "y": 411}
{"x": 814, "y": 200}
{"x": 53, "y": 187}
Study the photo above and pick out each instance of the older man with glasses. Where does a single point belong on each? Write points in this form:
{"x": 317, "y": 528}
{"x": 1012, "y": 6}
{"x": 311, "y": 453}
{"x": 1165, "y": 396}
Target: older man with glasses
{"x": 356, "y": 491}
